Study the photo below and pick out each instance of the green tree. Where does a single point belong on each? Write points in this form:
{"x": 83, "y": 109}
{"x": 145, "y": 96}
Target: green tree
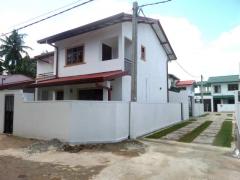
{"x": 12, "y": 50}
{"x": 27, "y": 67}
{"x": 1, "y": 67}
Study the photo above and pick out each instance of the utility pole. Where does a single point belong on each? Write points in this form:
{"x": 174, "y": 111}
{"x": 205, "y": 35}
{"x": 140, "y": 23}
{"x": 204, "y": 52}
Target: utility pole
{"x": 134, "y": 52}
{"x": 202, "y": 88}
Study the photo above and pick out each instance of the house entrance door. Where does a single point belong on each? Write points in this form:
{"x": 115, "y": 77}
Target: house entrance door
{"x": 8, "y": 114}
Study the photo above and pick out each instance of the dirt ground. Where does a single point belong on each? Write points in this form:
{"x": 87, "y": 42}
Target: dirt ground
{"x": 128, "y": 160}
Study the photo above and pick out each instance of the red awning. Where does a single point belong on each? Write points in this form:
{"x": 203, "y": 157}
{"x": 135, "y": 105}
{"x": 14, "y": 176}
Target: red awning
{"x": 87, "y": 78}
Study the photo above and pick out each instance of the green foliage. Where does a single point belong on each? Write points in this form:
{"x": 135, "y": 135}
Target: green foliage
{"x": 1, "y": 67}
{"x": 168, "y": 130}
{"x": 224, "y": 136}
{"x": 16, "y": 59}
{"x": 189, "y": 137}
{"x": 27, "y": 67}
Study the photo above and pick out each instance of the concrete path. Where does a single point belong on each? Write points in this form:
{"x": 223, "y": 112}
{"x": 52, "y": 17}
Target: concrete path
{"x": 176, "y": 135}
{"x": 208, "y": 135}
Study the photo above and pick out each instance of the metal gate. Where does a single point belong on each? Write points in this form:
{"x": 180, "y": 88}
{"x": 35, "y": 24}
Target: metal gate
{"x": 8, "y": 114}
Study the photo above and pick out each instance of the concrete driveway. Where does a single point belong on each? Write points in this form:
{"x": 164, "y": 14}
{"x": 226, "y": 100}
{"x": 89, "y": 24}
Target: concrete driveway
{"x": 129, "y": 160}
{"x": 209, "y": 134}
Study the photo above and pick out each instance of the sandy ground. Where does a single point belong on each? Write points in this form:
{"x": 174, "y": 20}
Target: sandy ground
{"x": 146, "y": 160}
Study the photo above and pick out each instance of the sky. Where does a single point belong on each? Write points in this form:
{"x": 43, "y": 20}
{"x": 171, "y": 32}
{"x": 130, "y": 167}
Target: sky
{"x": 205, "y": 34}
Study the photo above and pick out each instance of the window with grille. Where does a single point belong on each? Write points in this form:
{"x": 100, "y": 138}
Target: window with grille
{"x": 232, "y": 87}
{"x": 75, "y": 55}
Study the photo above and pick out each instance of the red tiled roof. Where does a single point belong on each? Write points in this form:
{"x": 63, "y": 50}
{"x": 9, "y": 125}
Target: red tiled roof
{"x": 185, "y": 83}
{"x": 87, "y": 78}
{"x": 14, "y": 81}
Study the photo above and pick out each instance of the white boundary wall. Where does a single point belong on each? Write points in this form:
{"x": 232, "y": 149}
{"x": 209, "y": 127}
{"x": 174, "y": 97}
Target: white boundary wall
{"x": 71, "y": 121}
{"x": 198, "y": 109}
{"x": 181, "y": 97}
{"x": 146, "y": 117}
{"x": 87, "y": 121}
{"x": 225, "y": 107}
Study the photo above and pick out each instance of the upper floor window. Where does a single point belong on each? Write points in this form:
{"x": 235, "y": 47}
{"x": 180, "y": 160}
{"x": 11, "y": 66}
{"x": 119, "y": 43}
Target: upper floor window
{"x": 232, "y": 87}
{"x": 217, "y": 89}
{"x": 75, "y": 55}
{"x": 106, "y": 52}
{"x": 110, "y": 49}
{"x": 143, "y": 53}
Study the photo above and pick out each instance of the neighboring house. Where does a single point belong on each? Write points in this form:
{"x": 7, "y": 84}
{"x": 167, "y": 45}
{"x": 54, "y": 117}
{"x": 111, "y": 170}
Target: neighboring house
{"x": 189, "y": 86}
{"x": 15, "y": 81}
{"x": 219, "y": 92}
{"x": 172, "y": 81}
{"x": 45, "y": 64}
{"x": 93, "y": 62}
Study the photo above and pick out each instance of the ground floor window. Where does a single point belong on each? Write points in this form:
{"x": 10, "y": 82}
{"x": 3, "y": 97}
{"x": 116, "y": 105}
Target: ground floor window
{"x": 90, "y": 94}
{"x": 231, "y": 101}
{"x": 59, "y": 95}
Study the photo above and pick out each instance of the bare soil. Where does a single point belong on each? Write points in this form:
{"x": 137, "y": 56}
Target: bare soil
{"x": 42, "y": 160}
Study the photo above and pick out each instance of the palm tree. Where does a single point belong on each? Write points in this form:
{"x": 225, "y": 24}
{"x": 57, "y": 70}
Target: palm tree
{"x": 1, "y": 67}
{"x": 12, "y": 49}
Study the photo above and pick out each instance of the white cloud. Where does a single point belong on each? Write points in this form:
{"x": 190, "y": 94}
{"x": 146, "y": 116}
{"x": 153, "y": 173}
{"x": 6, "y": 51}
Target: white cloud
{"x": 218, "y": 57}
{"x": 72, "y": 19}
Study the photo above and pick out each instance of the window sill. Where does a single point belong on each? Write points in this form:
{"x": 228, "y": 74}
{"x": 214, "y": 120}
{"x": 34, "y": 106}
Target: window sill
{"x": 75, "y": 64}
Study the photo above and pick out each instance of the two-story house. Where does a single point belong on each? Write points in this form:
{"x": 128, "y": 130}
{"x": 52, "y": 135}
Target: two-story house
{"x": 219, "y": 92}
{"x": 223, "y": 89}
{"x": 93, "y": 62}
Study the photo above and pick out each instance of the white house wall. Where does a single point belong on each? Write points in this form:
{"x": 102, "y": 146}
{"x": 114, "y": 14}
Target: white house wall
{"x": 198, "y": 109}
{"x": 43, "y": 67}
{"x": 180, "y": 97}
{"x": 99, "y": 121}
{"x": 149, "y": 117}
{"x": 152, "y": 73}
{"x": 92, "y": 52}
{"x": 224, "y": 89}
{"x": 225, "y": 107}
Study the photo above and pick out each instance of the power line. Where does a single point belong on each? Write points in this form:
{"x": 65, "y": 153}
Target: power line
{"x": 151, "y": 4}
{"x": 193, "y": 76}
{"x": 61, "y": 12}
{"x": 49, "y": 12}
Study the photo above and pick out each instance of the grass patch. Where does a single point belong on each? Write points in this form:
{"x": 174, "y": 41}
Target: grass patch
{"x": 168, "y": 130}
{"x": 228, "y": 119}
{"x": 206, "y": 114}
{"x": 189, "y": 137}
{"x": 224, "y": 136}
{"x": 192, "y": 119}
{"x": 218, "y": 114}
{"x": 229, "y": 115}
